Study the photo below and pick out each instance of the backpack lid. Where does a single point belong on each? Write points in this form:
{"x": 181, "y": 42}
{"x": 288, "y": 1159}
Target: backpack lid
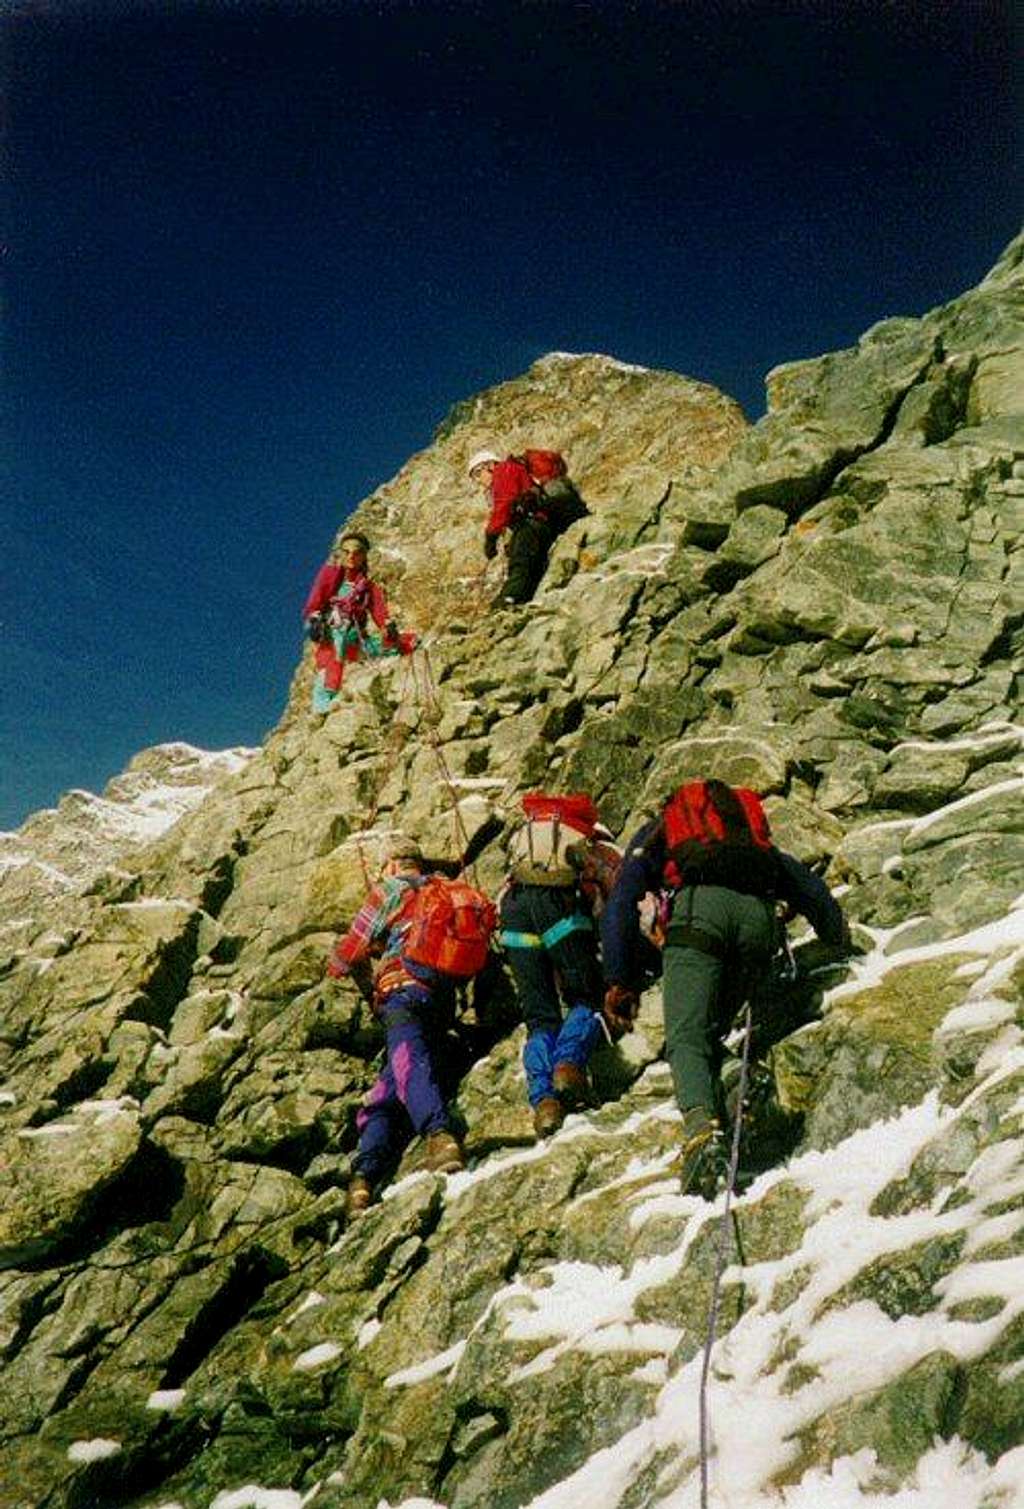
{"x": 544, "y": 466}
{"x": 712, "y": 812}
{"x": 575, "y": 810}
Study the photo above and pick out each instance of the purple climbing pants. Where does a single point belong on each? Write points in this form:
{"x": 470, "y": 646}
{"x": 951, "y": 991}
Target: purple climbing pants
{"x": 406, "y": 1096}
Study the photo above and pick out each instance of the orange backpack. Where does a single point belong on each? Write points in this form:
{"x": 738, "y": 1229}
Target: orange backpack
{"x": 450, "y": 927}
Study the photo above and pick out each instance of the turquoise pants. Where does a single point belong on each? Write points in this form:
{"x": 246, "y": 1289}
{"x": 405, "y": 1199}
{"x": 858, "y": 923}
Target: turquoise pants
{"x": 348, "y": 646}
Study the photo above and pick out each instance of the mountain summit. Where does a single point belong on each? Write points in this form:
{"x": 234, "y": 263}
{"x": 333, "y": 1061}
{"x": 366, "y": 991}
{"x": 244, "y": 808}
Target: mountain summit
{"x": 827, "y": 606}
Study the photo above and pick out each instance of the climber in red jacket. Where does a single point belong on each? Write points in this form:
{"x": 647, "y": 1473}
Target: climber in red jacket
{"x": 341, "y": 602}
{"x": 531, "y": 497}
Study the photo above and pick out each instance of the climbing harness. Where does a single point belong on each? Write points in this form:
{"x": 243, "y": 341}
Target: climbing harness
{"x": 721, "y": 1253}
{"x": 577, "y": 923}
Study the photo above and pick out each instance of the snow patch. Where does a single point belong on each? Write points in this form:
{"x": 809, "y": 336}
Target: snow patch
{"x": 367, "y": 1332}
{"x": 312, "y": 1301}
{"x": 442, "y": 1362}
{"x": 254, "y": 1497}
{"x": 554, "y": 357}
{"x": 315, "y": 1357}
{"x": 166, "y": 1398}
{"x": 973, "y": 799}
{"x": 96, "y": 1450}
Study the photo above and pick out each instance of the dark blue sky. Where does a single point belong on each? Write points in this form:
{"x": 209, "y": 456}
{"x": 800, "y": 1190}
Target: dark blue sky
{"x": 254, "y": 253}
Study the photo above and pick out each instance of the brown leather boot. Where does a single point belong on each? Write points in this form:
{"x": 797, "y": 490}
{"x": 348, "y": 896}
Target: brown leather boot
{"x": 548, "y": 1116}
{"x": 570, "y": 1084}
{"x": 443, "y": 1153}
{"x": 357, "y": 1197}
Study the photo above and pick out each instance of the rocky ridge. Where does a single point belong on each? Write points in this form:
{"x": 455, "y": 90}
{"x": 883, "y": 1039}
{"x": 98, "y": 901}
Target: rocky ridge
{"x": 60, "y": 850}
{"x": 827, "y": 605}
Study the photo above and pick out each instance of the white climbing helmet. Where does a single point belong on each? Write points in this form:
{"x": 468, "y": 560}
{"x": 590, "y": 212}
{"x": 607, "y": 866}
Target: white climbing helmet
{"x": 485, "y": 457}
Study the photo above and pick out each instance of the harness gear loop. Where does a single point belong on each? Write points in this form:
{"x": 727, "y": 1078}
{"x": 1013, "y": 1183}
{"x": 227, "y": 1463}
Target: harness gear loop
{"x": 721, "y": 1253}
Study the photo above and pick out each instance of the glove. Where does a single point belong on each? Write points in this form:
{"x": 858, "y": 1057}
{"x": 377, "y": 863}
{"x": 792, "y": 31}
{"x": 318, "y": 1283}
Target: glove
{"x": 490, "y": 546}
{"x": 619, "y": 1010}
{"x": 391, "y": 631}
{"x": 316, "y": 629}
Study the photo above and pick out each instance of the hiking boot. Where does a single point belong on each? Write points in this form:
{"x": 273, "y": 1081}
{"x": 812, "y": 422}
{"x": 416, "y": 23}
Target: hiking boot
{"x": 570, "y": 1084}
{"x": 548, "y": 1116}
{"x": 704, "y": 1165}
{"x": 443, "y": 1153}
{"x": 357, "y": 1197}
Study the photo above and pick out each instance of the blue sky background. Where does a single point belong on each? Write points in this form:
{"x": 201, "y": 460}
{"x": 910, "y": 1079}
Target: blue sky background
{"x": 255, "y": 252}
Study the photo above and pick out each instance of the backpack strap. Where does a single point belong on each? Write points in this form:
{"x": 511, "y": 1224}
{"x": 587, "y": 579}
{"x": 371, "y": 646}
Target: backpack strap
{"x": 531, "y": 500}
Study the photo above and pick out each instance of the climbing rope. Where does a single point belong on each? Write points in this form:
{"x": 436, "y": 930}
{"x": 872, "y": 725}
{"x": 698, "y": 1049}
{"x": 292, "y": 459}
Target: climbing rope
{"x": 418, "y": 687}
{"x": 391, "y": 747}
{"x": 721, "y": 1253}
{"x": 431, "y": 704}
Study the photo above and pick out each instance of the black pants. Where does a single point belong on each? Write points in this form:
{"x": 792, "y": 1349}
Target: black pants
{"x": 529, "y": 545}
{"x": 569, "y": 968}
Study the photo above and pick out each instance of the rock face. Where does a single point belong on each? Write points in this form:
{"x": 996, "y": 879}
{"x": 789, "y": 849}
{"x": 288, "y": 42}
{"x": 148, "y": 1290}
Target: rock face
{"x": 627, "y": 432}
{"x": 827, "y": 606}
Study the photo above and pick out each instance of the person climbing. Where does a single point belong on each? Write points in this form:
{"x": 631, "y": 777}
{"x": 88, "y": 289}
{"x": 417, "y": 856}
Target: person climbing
{"x": 710, "y": 854}
{"x": 561, "y": 865}
{"x": 414, "y": 1003}
{"x": 532, "y": 497}
{"x": 341, "y": 602}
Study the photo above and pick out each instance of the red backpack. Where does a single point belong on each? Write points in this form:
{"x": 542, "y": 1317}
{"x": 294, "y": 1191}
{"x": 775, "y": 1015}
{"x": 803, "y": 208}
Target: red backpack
{"x": 718, "y": 835}
{"x": 450, "y": 927}
{"x": 544, "y": 466}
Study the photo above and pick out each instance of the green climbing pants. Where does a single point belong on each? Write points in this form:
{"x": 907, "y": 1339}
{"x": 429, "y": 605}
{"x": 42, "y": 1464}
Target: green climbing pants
{"x": 716, "y": 946}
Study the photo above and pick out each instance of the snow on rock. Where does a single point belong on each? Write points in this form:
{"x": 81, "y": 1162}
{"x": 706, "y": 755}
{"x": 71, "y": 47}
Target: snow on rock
{"x": 181, "y": 1085}
{"x": 60, "y": 849}
{"x": 96, "y": 1450}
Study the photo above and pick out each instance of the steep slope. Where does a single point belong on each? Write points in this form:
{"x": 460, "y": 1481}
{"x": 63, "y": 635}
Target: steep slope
{"x": 833, "y": 614}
